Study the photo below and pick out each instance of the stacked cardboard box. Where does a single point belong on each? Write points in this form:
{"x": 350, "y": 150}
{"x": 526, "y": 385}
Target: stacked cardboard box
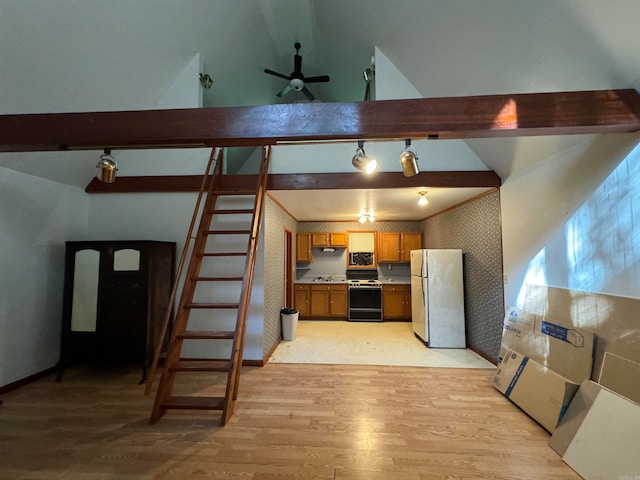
{"x": 542, "y": 364}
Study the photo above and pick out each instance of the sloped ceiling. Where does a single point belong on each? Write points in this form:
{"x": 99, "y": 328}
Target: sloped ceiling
{"x": 120, "y": 54}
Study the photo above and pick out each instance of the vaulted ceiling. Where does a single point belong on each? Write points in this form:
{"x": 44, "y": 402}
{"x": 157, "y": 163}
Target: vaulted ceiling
{"x": 100, "y": 55}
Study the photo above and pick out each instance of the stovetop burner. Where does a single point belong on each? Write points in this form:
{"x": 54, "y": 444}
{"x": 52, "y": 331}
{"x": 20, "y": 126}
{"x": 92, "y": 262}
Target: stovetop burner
{"x": 365, "y": 283}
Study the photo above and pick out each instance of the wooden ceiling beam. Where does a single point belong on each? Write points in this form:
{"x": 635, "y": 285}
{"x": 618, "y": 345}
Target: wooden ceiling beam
{"x": 563, "y": 113}
{"x": 307, "y": 181}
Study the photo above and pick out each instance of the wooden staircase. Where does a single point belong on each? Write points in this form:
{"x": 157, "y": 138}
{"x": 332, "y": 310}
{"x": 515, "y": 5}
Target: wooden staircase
{"x": 206, "y": 249}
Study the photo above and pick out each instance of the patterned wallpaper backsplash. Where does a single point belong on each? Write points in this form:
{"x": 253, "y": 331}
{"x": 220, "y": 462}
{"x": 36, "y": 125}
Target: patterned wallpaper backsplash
{"x": 475, "y": 227}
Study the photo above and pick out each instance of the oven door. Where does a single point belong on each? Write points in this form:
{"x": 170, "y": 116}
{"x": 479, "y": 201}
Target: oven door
{"x": 365, "y": 304}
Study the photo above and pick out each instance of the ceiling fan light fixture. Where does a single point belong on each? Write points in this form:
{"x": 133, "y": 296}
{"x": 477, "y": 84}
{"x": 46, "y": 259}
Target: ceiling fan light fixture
{"x": 409, "y": 159}
{"x": 423, "y": 200}
{"x": 297, "y": 84}
{"x": 362, "y": 161}
{"x": 107, "y": 167}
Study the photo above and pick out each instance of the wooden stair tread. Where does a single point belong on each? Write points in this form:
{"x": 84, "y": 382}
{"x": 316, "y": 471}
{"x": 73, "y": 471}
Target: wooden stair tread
{"x": 222, "y": 193}
{"x": 217, "y": 279}
{"x": 193, "y": 403}
{"x": 200, "y": 366}
{"x": 238, "y": 211}
{"x": 206, "y": 334}
{"x": 212, "y": 305}
{"x": 227, "y": 232}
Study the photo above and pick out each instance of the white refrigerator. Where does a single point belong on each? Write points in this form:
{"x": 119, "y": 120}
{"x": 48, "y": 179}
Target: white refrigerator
{"x": 437, "y": 297}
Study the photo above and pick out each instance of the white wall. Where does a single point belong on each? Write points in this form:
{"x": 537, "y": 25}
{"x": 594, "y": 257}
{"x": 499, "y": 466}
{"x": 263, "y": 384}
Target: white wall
{"x": 36, "y": 218}
{"x": 573, "y": 220}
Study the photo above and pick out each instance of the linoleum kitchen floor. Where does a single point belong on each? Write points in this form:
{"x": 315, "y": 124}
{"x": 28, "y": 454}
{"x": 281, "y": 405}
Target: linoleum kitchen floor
{"x": 366, "y": 343}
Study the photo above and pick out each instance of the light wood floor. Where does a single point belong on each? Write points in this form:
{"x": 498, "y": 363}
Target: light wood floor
{"x": 341, "y": 422}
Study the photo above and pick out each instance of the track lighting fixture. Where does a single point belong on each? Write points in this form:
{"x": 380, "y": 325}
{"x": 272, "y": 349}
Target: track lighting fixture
{"x": 423, "y": 200}
{"x": 409, "y": 159}
{"x": 205, "y": 80}
{"x": 363, "y": 162}
{"x": 107, "y": 167}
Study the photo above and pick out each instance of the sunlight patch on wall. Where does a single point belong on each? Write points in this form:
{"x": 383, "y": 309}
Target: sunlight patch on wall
{"x": 536, "y": 275}
{"x": 598, "y": 248}
{"x": 603, "y": 236}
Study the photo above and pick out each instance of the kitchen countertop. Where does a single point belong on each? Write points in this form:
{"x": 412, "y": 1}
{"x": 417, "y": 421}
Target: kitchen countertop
{"x": 387, "y": 281}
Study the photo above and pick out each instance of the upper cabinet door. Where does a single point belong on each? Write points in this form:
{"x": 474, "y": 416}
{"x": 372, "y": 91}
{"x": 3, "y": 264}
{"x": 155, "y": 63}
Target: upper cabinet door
{"x": 338, "y": 239}
{"x": 389, "y": 247}
{"x": 320, "y": 239}
{"x": 395, "y": 247}
{"x": 303, "y": 247}
{"x": 410, "y": 241}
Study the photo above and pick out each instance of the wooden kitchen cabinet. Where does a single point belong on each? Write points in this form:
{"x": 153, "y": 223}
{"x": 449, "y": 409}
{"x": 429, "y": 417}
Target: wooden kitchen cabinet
{"x": 329, "y": 239}
{"x": 395, "y": 247}
{"x": 302, "y": 299}
{"x": 409, "y": 241}
{"x": 303, "y": 248}
{"x": 338, "y": 301}
{"x": 396, "y": 302}
{"x": 328, "y": 301}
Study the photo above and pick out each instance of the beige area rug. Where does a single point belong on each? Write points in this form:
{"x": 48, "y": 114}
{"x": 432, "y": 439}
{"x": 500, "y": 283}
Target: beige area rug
{"x": 367, "y": 343}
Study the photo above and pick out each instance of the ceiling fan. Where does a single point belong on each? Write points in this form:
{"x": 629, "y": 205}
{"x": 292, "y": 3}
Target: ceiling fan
{"x": 297, "y": 80}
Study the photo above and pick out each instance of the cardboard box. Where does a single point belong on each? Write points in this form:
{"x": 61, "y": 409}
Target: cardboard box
{"x": 621, "y": 375}
{"x": 540, "y": 392}
{"x": 613, "y": 319}
{"x": 564, "y": 349}
{"x": 599, "y": 436}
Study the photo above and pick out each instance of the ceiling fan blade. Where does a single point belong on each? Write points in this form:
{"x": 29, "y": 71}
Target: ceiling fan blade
{"x": 308, "y": 94}
{"x": 271, "y": 72}
{"x": 318, "y": 79}
{"x": 284, "y": 91}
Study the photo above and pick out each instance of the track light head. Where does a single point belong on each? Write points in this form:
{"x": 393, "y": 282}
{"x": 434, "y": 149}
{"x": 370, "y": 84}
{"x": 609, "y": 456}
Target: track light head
{"x": 205, "y": 80}
{"x": 107, "y": 167}
{"x": 362, "y": 161}
{"x": 409, "y": 159}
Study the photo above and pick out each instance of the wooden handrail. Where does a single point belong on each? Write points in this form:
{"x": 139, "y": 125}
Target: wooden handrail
{"x": 216, "y": 154}
{"x": 247, "y": 285}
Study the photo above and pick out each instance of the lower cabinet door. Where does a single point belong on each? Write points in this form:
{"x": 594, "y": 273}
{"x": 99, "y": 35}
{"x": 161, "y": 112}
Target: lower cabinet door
{"x": 338, "y": 302}
{"x": 302, "y": 300}
{"x": 319, "y": 302}
{"x": 396, "y": 302}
